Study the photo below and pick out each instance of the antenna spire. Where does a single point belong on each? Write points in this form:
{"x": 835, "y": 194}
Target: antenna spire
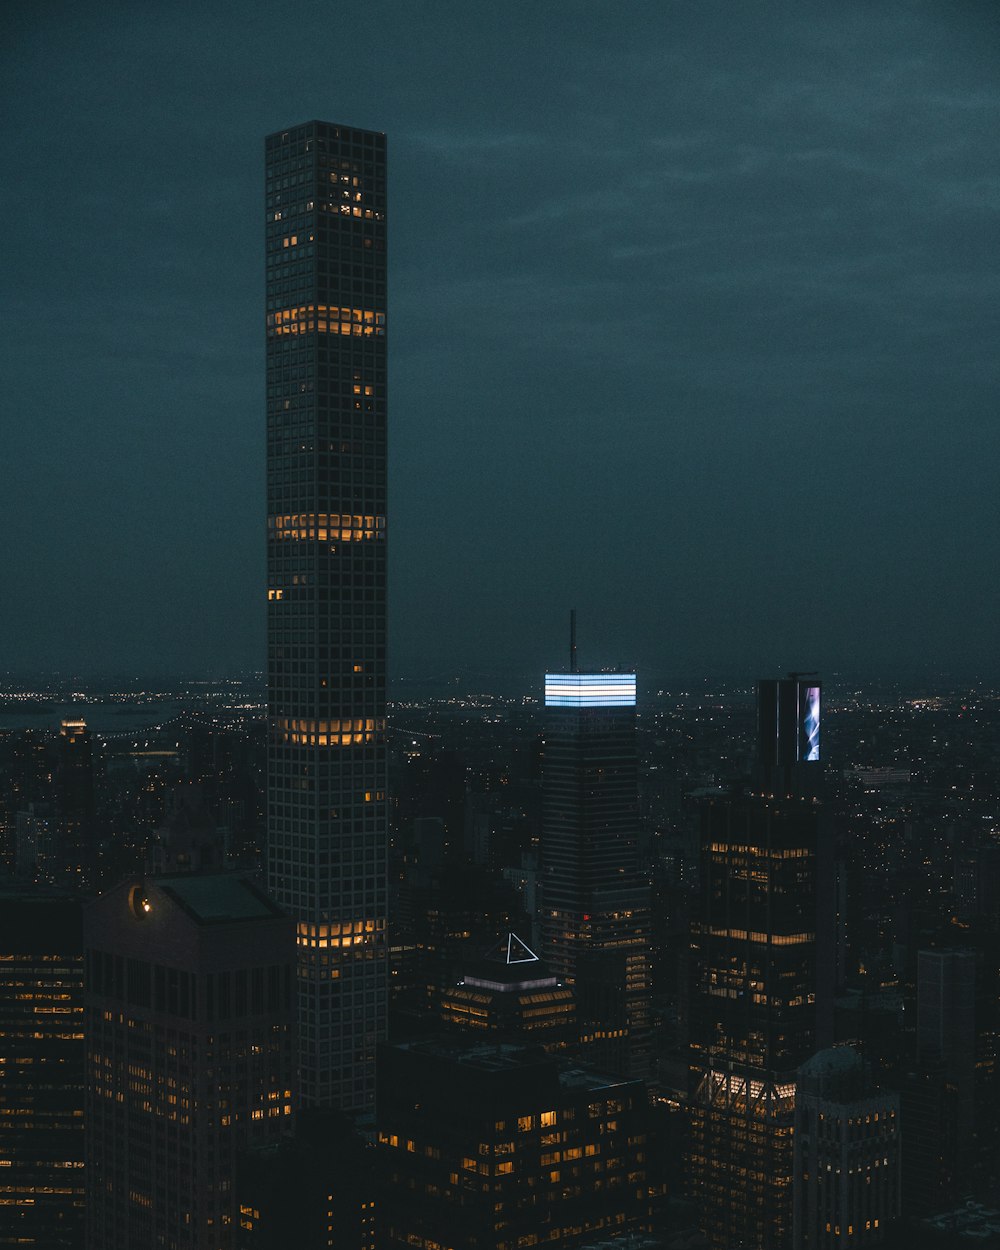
{"x": 572, "y": 641}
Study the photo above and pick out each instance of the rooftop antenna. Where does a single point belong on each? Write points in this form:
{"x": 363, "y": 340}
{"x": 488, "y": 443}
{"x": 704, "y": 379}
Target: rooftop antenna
{"x": 572, "y": 641}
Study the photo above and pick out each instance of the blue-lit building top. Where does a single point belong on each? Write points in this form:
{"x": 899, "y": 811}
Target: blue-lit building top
{"x": 590, "y": 689}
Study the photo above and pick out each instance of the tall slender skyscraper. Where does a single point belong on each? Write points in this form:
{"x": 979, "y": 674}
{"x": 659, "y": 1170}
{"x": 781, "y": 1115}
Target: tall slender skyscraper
{"x": 753, "y": 1008}
{"x": 326, "y": 590}
{"x": 595, "y": 904}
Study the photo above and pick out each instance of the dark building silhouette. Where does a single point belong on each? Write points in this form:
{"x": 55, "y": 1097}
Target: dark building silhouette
{"x": 326, "y": 590}
{"x": 224, "y": 763}
{"x": 946, "y": 1026}
{"x": 492, "y": 1147}
{"x": 76, "y": 852}
{"x": 26, "y": 780}
{"x": 190, "y": 1010}
{"x": 313, "y": 1189}
{"x": 847, "y": 1154}
{"x": 595, "y": 904}
{"x": 188, "y": 840}
{"x": 931, "y": 1145}
{"x": 753, "y": 963}
{"x": 41, "y": 1069}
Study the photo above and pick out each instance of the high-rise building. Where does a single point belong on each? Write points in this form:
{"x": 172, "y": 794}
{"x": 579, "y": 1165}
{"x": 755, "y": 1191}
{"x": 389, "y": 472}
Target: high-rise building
{"x": 25, "y": 779}
{"x": 946, "y": 1025}
{"x": 75, "y": 803}
{"x": 326, "y": 590}
{"x": 496, "y": 1147}
{"x": 190, "y": 1022}
{"x": 314, "y": 1189}
{"x": 753, "y": 959}
{"x": 595, "y": 903}
{"x": 41, "y": 1069}
{"x": 847, "y": 1154}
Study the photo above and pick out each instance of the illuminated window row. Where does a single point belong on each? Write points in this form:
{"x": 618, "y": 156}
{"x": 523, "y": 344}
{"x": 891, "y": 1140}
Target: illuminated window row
{"x": 752, "y": 935}
{"x": 324, "y": 527}
{"x": 339, "y": 928}
{"x": 329, "y": 733}
{"x": 327, "y": 319}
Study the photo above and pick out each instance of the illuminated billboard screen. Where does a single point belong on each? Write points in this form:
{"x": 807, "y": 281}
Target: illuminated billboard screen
{"x": 590, "y": 689}
{"x": 809, "y": 709}
{"x": 788, "y": 721}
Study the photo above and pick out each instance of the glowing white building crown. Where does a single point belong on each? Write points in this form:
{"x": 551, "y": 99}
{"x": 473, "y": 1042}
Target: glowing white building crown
{"x": 590, "y": 689}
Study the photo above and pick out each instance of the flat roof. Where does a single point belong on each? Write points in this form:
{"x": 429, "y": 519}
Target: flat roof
{"x": 213, "y": 897}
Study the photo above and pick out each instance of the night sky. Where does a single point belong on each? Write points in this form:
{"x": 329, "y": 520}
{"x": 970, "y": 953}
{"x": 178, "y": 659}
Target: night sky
{"x": 693, "y": 325}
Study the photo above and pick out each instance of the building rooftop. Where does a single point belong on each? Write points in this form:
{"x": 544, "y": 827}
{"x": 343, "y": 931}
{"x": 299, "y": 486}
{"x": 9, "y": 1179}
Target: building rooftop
{"x": 510, "y": 966}
{"x": 837, "y": 1061}
{"x": 214, "y": 897}
{"x": 585, "y": 1078}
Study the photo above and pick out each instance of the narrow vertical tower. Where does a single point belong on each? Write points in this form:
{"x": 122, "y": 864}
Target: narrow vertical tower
{"x": 595, "y": 904}
{"x": 753, "y": 992}
{"x": 326, "y": 590}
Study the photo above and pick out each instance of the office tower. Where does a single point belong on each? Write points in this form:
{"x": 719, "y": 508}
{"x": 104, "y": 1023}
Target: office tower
{"x": 847, "y": 1154}
{"x": 326, "y": 587}
{"x": 595, "y": 904}
{"x": 510, "y": 995}
{"x": 752, "y": 1007}
{"x": 25, "y": 786}
{"x": 41, "y": 1069}
{"x": 190, "y": 1021}
{"x": 188, "y": 839}
{"x": 494, "y": 1147}
{"x": 932, "y": 1149}
{"x": 313, "y": 1189}
{"x": 946, "y": 1026}
{"x": 75, "y": 803}
{"x": 34, "y": 844}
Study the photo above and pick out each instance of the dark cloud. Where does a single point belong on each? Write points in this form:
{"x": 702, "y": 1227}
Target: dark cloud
{"x": 693, "y": 325}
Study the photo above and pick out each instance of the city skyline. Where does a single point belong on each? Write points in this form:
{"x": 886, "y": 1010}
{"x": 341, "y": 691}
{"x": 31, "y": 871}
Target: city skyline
{"x": 695, "y": 332}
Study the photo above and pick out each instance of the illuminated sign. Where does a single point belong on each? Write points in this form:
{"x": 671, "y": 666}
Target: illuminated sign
{"x": 590, "y": 689}
{"x": 788, "y": 716}
{"x": 809, "y": 711}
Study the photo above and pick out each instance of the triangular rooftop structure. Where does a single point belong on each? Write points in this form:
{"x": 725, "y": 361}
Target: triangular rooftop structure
{"x": 510, "y": 965}
{"x": 519, "y": 952}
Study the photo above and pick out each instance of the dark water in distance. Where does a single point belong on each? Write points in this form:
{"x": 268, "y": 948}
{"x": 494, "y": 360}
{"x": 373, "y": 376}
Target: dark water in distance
{"x": 104, "y": 717}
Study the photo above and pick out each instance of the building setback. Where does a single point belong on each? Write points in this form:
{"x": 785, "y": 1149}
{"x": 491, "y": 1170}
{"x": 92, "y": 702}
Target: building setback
{"x": 41, "y": 1069}
{"x": 326, "y": 590}
{"x": 190, "y": 1009}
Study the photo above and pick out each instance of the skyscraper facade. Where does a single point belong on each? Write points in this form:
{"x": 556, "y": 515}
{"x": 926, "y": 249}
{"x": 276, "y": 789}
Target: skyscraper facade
{"x": 189, "y": 1022}
{"x": 326, "y": 590}
{"x": 847, "y": 1154}
{"x": 41, "y": 1068}
{"x": 595, "y": 904}
{"x": 753, "y": 995}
